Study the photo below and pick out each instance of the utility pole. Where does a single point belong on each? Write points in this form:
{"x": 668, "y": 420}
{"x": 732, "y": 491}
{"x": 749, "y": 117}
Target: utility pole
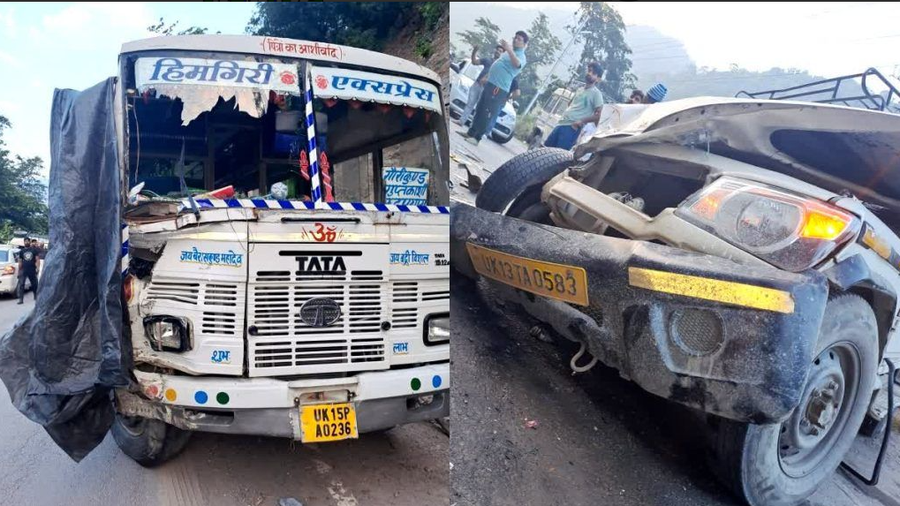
{"x": 550, "y": 74}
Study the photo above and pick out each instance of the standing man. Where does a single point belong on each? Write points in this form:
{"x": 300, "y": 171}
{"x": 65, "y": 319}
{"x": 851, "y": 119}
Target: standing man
{"x": 584, "y": 109}
{"x": 478, "y": 86}
{"x": 499, "y": 80}
{"x": 28, "y": 266}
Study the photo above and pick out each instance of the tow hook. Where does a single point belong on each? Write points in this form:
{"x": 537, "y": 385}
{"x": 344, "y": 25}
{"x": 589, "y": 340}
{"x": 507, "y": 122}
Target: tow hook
{"x": 578, "y": 369}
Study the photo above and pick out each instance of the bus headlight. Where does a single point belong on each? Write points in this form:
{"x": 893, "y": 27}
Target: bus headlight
{"x": 437, "y": 329}
{"x": 167, "y": 333}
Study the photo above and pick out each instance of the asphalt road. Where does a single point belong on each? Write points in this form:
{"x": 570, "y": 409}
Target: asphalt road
{"x": 526, "y": 431}
{"x": 481, "y": 160}
{"x": 406, "y": 466}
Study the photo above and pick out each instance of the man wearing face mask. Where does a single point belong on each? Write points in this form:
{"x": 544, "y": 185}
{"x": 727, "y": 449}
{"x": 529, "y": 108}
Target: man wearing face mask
{"x": 496, "y": 90}
{"x": 584, "y": 109}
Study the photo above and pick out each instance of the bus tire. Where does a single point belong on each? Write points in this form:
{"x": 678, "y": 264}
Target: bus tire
{"x": 147, "y": 441}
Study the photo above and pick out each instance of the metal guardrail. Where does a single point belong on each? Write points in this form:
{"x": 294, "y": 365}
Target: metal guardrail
{"x": 830, "y": 90}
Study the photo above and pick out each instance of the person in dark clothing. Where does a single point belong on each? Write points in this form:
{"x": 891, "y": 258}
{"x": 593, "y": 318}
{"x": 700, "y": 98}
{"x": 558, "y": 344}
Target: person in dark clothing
{"x": 29, "y": 263}
{"x": 496, "y": 91}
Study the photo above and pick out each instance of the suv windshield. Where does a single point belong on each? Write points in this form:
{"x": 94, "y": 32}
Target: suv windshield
{"x": 251, "y": 138}
{"x": 4, "y": 255}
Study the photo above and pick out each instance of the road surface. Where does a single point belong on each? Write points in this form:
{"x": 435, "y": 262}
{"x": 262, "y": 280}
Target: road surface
{"x": 598, "y": 439}
{"x": 406, "y": 466}
{"x": 482, "y": 159}
{"x": 527, "y": 432}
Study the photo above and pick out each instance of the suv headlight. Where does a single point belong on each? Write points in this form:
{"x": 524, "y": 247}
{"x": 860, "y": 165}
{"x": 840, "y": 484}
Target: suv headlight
{"x": 167, "y": 333}
{"x": 437, "y": 329}
{"x": 787, "y": 230}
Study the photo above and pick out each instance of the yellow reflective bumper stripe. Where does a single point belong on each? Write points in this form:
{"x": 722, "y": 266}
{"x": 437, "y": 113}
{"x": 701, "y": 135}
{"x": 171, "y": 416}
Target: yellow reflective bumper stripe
{"x": 728, "y": 292}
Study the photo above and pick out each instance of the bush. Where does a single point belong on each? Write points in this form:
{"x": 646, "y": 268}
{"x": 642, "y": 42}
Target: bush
{"x": 524, "y": 125}
{"x": 431, "y": 12}
{"x": 423, "y": 47}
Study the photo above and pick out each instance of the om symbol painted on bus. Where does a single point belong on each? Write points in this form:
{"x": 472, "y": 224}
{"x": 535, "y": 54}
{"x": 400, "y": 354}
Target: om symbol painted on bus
{"x": 324, "y": 234}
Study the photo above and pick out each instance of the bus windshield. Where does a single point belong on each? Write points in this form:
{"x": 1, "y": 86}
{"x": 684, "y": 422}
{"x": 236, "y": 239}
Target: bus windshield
{"x": 190, "y": 135}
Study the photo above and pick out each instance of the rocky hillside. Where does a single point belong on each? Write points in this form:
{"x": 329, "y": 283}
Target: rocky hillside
{"x": 416, "y": 39}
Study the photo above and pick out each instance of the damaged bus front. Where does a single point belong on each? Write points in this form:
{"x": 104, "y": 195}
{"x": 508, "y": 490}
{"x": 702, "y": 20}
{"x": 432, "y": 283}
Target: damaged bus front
{"x": 285, "y": 242}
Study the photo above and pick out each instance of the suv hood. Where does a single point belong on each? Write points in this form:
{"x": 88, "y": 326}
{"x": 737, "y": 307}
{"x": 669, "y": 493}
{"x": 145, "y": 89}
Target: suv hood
{"x": 837, "y": 148}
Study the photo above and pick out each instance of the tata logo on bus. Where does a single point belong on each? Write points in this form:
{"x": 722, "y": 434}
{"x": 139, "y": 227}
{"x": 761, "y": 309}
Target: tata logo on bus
{"x": 321, "y": 264}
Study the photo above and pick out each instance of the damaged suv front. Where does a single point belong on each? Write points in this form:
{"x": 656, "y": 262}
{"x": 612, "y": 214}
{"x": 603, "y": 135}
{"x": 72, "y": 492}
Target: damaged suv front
{"x": 704, "y": 250}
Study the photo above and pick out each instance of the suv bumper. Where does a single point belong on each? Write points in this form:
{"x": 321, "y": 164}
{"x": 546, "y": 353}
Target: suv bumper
{"x": 726, "y": 338}
{"x": 269, "y": 407}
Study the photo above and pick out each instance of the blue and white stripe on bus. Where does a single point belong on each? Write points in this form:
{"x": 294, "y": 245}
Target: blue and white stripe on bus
{"x": 125, "y": 257}
{"x": 304, "y": 205}
{"x": 314, "y": 178}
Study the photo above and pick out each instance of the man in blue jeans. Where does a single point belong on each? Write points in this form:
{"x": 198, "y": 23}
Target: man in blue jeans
{"x": 496, "y": 90}
{"x": 584, "y": 109}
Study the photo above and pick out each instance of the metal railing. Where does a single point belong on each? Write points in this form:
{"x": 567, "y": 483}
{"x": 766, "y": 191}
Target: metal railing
{"x": 829, "y": 92}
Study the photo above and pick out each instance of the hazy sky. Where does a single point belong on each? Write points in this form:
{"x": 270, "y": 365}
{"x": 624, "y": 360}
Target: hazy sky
{"x": 48, "y": 45}
{"x": 828, "y": 39}
{"x": 67, "y": 45}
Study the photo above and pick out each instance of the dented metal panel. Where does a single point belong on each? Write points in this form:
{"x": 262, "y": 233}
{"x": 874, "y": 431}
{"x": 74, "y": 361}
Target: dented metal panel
{"x": 754, "y": 372}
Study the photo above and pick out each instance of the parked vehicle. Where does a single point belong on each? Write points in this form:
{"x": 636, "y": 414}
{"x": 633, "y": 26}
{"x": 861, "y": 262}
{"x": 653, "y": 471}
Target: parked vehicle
{"x": 309, "y": 297}
{"x": 737, "y": 256}
{"x": 462, "y": 75}
{"x": 9, "y": 270}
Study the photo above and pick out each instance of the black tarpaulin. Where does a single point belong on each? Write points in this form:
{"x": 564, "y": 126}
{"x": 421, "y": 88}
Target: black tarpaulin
{"x": 61, "y": 362}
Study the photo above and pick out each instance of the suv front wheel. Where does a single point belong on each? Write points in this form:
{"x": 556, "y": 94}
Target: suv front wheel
{"x": 781, "y": 464}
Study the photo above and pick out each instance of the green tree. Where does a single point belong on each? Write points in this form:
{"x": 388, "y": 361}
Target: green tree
{"x": 162, "y": 28}
{"x": 361, "y": 24}
{"x": 485, "y": 37}
{"x": 601, "y": 29}
{"x": 543, "y": 49}
{"x": 22, "y": 195}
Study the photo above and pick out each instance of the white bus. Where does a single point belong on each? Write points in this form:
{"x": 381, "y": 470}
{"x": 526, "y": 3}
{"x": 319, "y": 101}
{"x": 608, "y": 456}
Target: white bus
{"x": 285, "y": 241}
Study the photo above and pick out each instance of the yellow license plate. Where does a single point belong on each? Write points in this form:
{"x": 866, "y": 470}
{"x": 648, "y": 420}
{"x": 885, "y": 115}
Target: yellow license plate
{"x": 327, "y": 422}
{"x": 557, "y": 281}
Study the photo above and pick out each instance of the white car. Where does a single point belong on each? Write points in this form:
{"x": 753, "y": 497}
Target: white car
{"x": 461, "y": 78}
{"x": 8, "y": 270}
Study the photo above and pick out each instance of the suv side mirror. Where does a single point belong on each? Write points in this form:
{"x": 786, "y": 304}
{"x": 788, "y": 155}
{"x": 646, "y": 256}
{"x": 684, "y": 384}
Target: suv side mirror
{"x": 454, "y": 66}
